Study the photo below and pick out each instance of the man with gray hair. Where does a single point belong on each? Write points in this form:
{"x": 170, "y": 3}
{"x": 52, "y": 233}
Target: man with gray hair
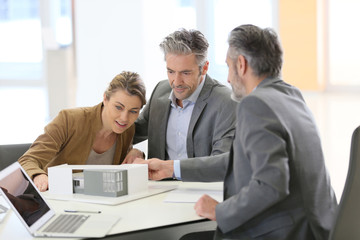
{"x": 276, "y": 184}
{"x": 190, "y": 114}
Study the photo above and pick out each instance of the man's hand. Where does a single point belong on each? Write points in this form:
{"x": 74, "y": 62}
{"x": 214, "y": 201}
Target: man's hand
{"x": 41, "y": 182}
{"x": 158, "y": 169}
{"x": 132, "y": 155}
{"x": 205, "y": 207}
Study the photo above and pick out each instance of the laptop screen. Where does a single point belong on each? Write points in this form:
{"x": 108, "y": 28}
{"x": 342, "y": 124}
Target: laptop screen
{"x": 22, "y": 194}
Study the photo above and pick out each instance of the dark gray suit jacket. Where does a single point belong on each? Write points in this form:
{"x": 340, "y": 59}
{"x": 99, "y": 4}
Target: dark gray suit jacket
{"x": 212, "y": 123}
{"x": 276, "y": 184}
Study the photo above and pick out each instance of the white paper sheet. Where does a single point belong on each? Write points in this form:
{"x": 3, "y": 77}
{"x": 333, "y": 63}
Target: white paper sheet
{"x": 192, "y": 194}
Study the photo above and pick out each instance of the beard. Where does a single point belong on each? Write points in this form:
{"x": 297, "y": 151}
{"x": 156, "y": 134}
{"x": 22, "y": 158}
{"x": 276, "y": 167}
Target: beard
{"x": 238, "y": 96}
{"x": 235, "y": 97}
{"x": 180, "y": 87}
{"x": 238, "y": 89}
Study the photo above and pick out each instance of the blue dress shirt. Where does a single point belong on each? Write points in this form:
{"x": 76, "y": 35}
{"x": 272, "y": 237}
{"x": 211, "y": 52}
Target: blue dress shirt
{"x": 178, "y": 125}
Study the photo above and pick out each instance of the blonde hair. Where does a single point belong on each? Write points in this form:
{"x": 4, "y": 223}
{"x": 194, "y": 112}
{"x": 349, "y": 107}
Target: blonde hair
{"x": 131, "y": 82}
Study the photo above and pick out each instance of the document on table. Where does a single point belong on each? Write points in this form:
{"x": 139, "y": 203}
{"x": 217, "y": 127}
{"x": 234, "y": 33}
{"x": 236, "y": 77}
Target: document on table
{"x": 193, "y": 193}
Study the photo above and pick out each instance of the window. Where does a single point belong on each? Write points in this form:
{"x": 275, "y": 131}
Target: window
{"x": 24, "y": 24}
{"x": 20, "y": 42}
{"x": 215, "y": 19}
{"x": 123, "y": 35}
{"x": 343, "y": 43}
{"x": 228, "y": 14}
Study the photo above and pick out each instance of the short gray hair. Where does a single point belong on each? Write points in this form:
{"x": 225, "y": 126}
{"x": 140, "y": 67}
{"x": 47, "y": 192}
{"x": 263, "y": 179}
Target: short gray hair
{"x": 260, "y": 47}
{"x": 184, "y": 42}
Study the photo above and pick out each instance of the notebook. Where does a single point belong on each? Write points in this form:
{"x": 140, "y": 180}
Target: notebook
{"x": 37, "y": 215}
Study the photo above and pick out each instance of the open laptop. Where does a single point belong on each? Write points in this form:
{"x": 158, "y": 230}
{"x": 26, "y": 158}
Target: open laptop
{"x": 37, "y": 215}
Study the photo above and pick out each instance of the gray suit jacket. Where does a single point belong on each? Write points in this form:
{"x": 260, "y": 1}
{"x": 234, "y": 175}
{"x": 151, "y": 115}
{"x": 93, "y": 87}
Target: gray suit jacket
{"x": 212, "y": 122}
{"x": 276, "y": 184}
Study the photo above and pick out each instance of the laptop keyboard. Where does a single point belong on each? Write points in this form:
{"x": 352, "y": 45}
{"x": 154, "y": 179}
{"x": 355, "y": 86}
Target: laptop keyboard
{"x": 66, "y": 223}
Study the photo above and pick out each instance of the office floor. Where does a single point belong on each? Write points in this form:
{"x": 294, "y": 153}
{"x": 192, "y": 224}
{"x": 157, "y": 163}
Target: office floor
{"x": 337, "y": 115}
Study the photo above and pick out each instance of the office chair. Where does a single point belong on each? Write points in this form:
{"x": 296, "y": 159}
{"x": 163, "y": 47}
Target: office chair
{"x": 347, "y": 222}
{"x": 11, "y": 153}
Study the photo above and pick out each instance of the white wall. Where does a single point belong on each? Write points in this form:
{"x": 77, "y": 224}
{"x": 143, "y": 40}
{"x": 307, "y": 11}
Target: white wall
{"x": 116, "y": 35}
{"x": 109, "y": 39}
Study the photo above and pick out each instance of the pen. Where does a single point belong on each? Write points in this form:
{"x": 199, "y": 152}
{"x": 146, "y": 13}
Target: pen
{"x": 80, "y": 211}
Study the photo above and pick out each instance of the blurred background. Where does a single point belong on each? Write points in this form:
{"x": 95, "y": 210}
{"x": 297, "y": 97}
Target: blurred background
{"x": 57, "y": 54}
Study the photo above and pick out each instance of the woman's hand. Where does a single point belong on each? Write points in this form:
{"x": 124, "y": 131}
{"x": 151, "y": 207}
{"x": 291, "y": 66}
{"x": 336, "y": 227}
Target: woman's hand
{"x": 132, "y": 155}
{"x": 41, "y": 182}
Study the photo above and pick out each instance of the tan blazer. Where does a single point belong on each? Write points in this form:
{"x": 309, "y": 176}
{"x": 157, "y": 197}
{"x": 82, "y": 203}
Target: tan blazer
{"x": 69, "y": 138}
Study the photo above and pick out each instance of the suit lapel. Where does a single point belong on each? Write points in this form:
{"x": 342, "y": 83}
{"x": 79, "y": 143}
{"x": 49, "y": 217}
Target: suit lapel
{"x": 164, "y": 109}
{"x": 197, "y": 111}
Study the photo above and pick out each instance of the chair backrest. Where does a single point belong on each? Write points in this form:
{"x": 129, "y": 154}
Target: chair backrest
{"x": 11, "y": 153}
{"x": 347, "y": 223}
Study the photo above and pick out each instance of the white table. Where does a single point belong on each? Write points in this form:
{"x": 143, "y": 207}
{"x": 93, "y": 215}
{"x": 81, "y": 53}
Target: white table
{"x": 146, "y": 213}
